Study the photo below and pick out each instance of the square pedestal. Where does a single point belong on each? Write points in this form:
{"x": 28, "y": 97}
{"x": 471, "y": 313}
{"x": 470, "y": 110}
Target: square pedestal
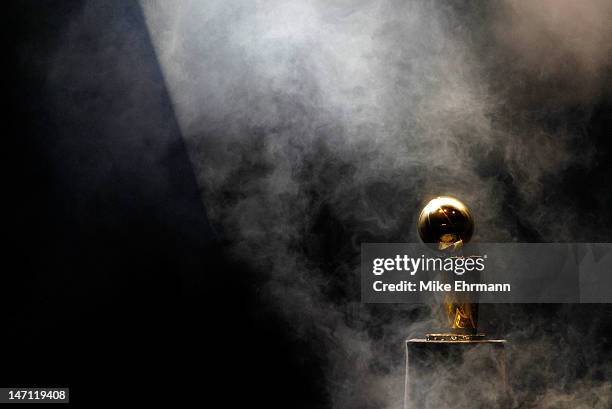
{"x": 456, "y": 374}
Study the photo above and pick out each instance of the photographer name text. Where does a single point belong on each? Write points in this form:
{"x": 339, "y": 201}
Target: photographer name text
{"x": 434, "y": 286}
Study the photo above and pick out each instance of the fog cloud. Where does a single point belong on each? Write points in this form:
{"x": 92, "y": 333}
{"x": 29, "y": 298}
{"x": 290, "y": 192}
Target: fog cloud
{"x": 316, "y": 125}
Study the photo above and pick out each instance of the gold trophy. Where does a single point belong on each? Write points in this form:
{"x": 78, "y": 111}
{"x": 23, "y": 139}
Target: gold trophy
{"x": 436, "y": 372}
{"x": 447, "y": 224}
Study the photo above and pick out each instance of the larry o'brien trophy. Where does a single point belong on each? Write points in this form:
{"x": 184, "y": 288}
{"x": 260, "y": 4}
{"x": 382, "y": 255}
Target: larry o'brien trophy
{"x": 447, "y": 224}
{"x": 456, "y": 367}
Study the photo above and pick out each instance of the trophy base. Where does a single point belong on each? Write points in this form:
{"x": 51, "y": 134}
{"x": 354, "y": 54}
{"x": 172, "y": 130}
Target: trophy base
{"x": 457, "y": 374}
{"x": 449, "y": 336}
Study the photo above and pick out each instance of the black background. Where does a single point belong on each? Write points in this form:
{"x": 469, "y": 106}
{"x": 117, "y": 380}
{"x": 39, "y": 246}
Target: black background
{"x": 114, "y": 283}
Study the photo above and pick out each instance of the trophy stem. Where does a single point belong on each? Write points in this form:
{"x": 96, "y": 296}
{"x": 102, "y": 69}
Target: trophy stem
{"x": 459, "y": 311}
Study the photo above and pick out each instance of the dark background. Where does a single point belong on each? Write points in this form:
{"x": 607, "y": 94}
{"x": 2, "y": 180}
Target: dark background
{"x": 115, "y": 284}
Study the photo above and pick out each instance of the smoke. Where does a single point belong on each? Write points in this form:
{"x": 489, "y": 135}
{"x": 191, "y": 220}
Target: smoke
{"x": 314, "y": 126}
{"x": 563, "y": 44}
